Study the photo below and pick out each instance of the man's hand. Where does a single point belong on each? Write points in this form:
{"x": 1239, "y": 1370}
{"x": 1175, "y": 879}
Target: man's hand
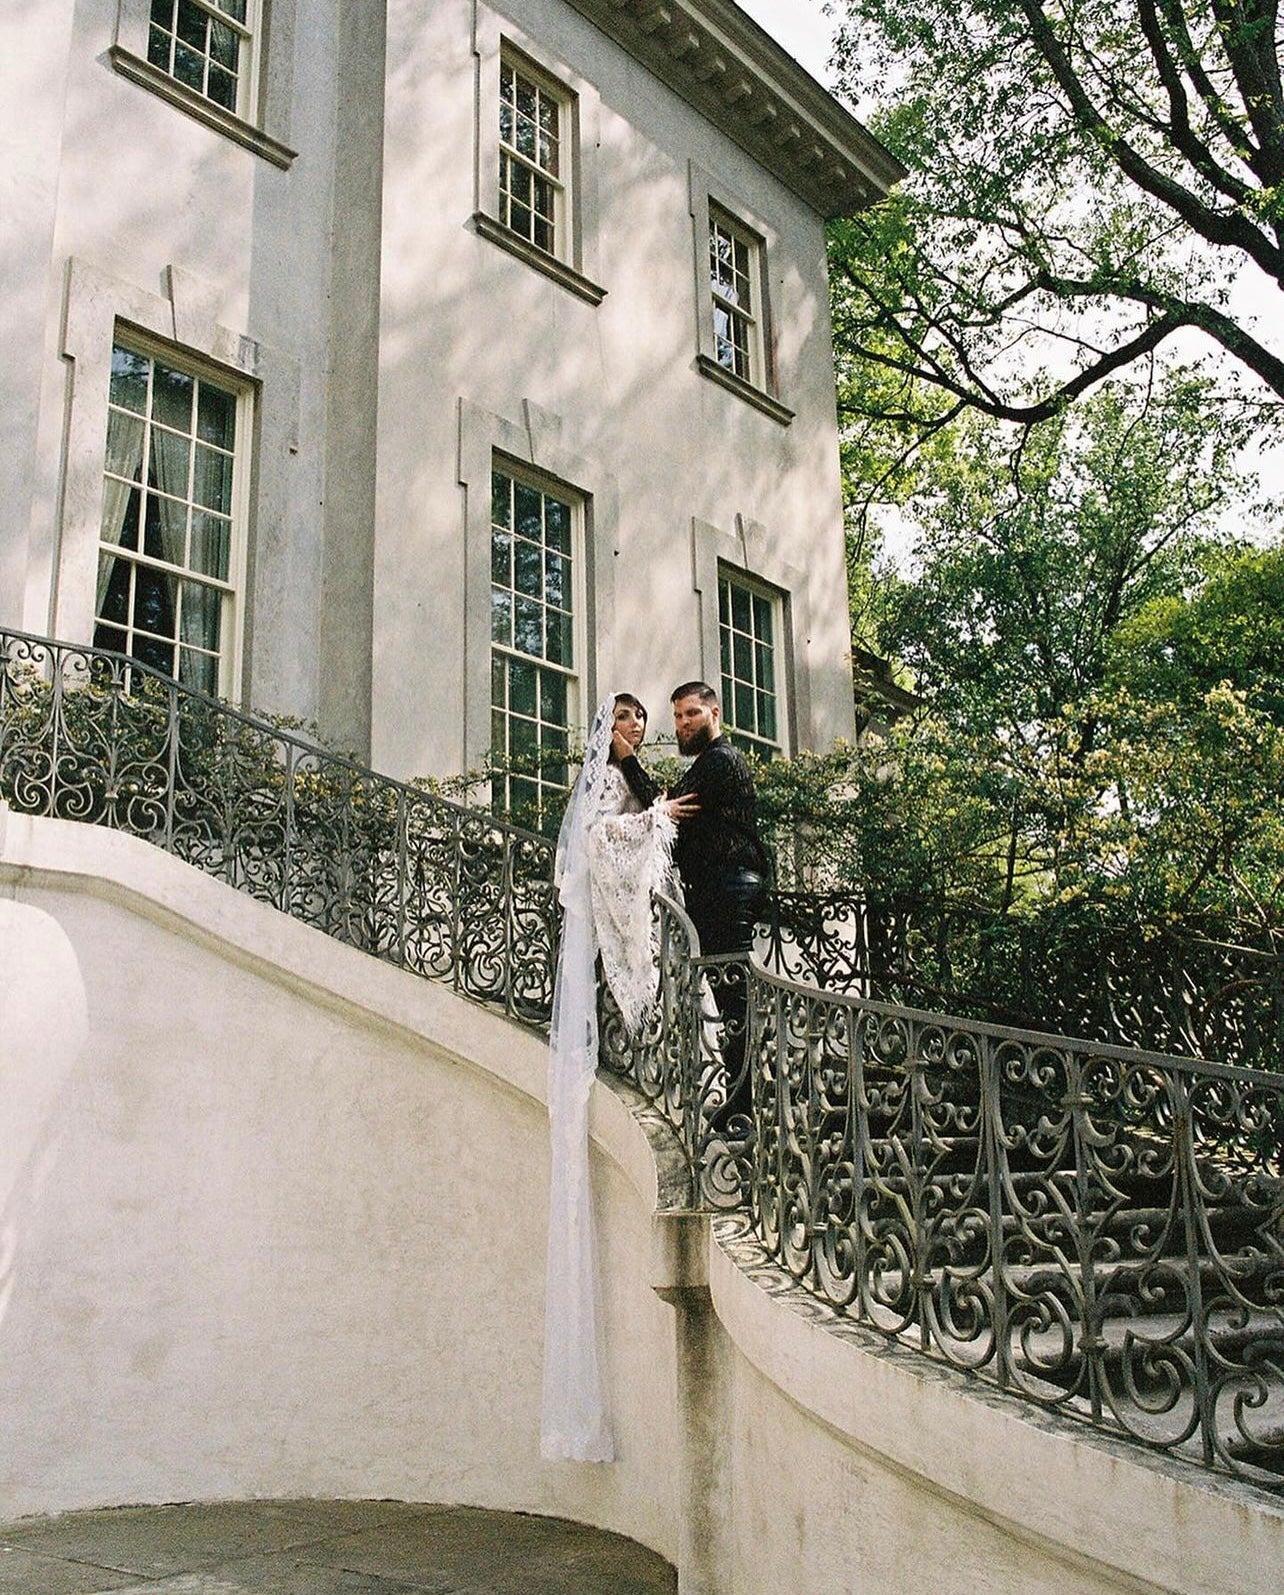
{"x": 681, "y": 808}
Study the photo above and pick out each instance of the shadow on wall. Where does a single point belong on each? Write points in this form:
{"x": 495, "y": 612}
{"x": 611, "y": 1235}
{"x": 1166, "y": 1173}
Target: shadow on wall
{"x": 43, "y": 1030}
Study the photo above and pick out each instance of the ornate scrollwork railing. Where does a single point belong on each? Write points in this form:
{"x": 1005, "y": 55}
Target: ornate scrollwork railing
{"x": 1127, "y": 985}
{"x": 1097, "y": 1229}
{"x": 438, "y": 888}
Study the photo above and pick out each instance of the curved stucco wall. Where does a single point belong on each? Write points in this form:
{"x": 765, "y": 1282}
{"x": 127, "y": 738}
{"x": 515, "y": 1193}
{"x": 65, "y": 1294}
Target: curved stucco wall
{"x": 289, "y": 1241}
{"x": 290, "y": 1234}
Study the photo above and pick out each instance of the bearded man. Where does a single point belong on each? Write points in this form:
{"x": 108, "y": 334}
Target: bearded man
{"x": 723, "y": 866}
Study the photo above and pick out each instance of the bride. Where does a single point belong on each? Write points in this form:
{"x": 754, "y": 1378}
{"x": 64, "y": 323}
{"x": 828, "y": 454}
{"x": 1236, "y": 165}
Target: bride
{"x": 613, "y": 851}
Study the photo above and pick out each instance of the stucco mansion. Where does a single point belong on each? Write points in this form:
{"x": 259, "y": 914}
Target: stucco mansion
{"x": 414, "y": 373}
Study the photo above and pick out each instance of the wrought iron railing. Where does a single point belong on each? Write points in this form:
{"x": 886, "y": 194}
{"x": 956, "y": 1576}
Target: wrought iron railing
{"x": 436, "y": 887}
{"x": 1130, "y": 985}
{"x": 1097, "y": 1229}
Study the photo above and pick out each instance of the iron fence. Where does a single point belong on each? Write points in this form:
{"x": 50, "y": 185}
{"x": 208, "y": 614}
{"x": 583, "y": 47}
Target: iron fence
{"x": 1096, "y": 1228}
{"x": 434, "y": 886}
{"x": 1127, "y": 984}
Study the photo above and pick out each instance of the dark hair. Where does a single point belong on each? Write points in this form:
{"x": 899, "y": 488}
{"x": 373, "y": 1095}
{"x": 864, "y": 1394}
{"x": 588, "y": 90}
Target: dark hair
{"x": 636, "y": 703}
{"x": 633, "y": 703}
{"x": 694, "y": 689}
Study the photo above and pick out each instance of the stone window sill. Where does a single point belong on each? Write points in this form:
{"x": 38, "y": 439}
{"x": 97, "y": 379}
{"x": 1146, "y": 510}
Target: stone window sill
{"x": 558, "y": 270}
{"x": 196, "y": 105}
{"x": 709, "y": 367}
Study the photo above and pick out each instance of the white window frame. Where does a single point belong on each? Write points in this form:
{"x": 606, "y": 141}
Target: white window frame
{"x": 749, "y": 554}
{"x": 750, "y": 738}
{"x": 247, "y": 34}
{"x": 498, "y": 44}
{"x": 537, "y": 446}
{"x": 230, "y": 588}
{"x": 183, "y": 318}
{"x": 261, "y": 118}
{"x": 556, "y": 174}
{"x": 504, "y": 649}
{"x": 717, "y": 209}
{"x": 731, "y": 307}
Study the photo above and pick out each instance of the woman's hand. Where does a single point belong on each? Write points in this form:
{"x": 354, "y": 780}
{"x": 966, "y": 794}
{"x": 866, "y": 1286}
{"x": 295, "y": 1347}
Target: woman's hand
{"x": 681, "y": 808}
{"x": 621, "y": 747}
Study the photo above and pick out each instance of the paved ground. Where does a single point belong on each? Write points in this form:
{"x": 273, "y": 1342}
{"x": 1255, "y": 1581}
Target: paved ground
{"x": 321, "y": 1548}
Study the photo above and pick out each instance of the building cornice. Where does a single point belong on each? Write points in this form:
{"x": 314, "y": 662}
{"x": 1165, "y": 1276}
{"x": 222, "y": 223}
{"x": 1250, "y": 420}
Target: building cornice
{"x": 724, "y": 65}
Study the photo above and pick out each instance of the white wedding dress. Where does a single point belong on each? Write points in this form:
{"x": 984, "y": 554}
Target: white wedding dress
{"x": 611, "y": 854}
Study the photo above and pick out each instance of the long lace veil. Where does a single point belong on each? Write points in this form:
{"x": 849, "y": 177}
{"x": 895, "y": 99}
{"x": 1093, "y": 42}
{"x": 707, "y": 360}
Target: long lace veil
{"x": 574, "y": 1422}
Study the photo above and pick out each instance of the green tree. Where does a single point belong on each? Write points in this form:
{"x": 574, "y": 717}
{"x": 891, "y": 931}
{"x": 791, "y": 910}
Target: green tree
{"x": 1086, "y": 183}
{"x": 1230, "y": 629}
{"x": 1029, "y": 561}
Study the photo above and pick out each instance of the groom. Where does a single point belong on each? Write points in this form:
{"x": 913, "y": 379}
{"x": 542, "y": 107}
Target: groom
{"x": 723, "y": 866}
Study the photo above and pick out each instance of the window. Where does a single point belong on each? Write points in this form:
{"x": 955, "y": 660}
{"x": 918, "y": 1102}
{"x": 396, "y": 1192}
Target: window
{"x": 747, "y": 646}
{"x": 206, "y": 45}
{"x": 169, "y": 535}
{"x": 533, "y": 577}
{"x": 533, "y": 124}
{"x": 733, "y": 277}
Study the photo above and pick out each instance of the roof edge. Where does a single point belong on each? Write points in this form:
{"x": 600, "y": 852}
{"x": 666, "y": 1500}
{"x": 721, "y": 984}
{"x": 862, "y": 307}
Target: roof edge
{"x": 726, "y": 67}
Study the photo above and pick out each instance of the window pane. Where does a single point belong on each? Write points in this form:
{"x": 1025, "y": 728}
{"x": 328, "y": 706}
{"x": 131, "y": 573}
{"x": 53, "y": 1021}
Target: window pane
{"x": 223, "y": 46}
{"x": 198, "y": 670}
{"x": 155, "y": 601}
{"x": 192, "y": 23}
{"x": 170, "y": 462}
{"x": 524, "y": 741}
{"x": 211, "y": 544}
{"x": 165, "y": 529}
{"x": 129, "y": 379}
{"x": 740, "y": 609}
{"x": 189, "y": 68}
{"x": 125, "y": 434}
{"x": 521, "y": 687}
{"x": 114, "y": 589}
{"x": 501, "y": 617}
{"x": 744, "y": 707}
{"x": 202, "y": 613}
{"x": 527, "y": 629}
{"x": 527, "y": 568}
{"x": 212, "y": 485}
{"x": 557, "y": 586}
{"x": 151, "y": 651}
{"x": 501, "y": 493}
{"x": 158, "y": 44}
{"x": 557, "y": 522}
{"x": 552, "y": 702}
{"x": 742, "y": 656}
{"x": 216, "y": 416}
{"x": 220, "y": 87}
{"x": 528, "y": 509}
{"x": 172, "y": 397}
{"x": 498, "y": 676}
{"x": 501, "y": 558}
{"x": 559, "y": 637}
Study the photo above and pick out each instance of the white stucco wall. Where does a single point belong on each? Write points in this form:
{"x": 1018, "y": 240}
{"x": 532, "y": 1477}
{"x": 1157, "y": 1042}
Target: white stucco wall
{"x": 290, "y": 1235}
{"x": 123, "y": 210}
{"x": 672, "y": 462}
{"x": 288, "y": 1241}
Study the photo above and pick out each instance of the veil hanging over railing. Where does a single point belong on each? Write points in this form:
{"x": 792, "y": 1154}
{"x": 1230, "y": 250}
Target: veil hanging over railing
{"x": 575, "y": 1422}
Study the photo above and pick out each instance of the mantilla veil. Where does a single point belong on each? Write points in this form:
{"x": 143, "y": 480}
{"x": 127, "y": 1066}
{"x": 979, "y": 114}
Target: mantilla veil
{"x": 609, "y": 861}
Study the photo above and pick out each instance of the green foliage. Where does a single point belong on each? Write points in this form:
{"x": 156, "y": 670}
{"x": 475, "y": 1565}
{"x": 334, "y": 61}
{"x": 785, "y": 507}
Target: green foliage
{"x": 1083, "y": 185}
{"x": 1230, "y": 629}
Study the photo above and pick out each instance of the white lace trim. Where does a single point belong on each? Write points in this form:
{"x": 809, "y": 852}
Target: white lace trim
{"x": 629, "y": 859}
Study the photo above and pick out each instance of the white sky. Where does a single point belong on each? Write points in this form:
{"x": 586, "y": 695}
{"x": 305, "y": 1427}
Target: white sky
{"x": 799, "y": 26}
